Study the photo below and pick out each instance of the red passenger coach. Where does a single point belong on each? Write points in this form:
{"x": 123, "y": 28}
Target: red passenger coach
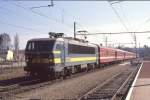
{"x": 120, "y": 55}
{"x": 110, "y": 55}
{"x": 107, "y": 55}
{"x": 130, "y": 55}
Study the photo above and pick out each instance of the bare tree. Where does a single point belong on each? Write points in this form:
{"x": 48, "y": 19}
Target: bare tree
{"x": 5, "y": 42}
{"x": 16, "y": 46}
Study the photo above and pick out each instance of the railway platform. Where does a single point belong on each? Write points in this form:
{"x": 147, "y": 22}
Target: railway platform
{"x": 140, "y": 89}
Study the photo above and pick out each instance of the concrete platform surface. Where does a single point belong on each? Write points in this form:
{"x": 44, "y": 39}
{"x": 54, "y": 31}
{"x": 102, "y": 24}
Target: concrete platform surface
{"x": 140, "y": 89}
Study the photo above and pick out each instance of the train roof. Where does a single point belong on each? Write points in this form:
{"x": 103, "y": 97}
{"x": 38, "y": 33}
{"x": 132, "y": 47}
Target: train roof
{"x": 46, "y": 39}
{"x": 60, "y": 38}
{"x": 71, "y": 40}
{"x": 110, "y": 48}
{"x": 118, "y": 50}
{"x": 41, "y": 39}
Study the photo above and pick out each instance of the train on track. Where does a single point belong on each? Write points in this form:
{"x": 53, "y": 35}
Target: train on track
{"x": 62, "y": 56}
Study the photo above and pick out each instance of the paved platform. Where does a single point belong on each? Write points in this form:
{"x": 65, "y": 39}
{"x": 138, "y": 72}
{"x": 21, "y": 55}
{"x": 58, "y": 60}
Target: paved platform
{"x": 140, "y": 89}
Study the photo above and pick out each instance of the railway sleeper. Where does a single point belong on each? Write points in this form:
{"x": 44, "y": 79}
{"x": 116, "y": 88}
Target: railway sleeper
{"x": 97, "y": 97}
{"x": 106, "y": 91}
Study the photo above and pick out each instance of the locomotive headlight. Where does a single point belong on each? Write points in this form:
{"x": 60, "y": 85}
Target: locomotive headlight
{"x": 51, "y": 60}
{"x": 27, "y": 59}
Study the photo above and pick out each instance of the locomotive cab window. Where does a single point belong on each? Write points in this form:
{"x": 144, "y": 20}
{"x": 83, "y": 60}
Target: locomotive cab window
{"x": 40, "y": 46}
{"x": 30, "y": 46}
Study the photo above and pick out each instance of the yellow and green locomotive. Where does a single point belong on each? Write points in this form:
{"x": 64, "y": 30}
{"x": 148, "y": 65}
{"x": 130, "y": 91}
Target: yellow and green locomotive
{"x": 59, "y": 56}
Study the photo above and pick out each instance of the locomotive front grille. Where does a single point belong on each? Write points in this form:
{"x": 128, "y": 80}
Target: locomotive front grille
{"x": 45, "y": 60}
{"x": 41, "y": 60}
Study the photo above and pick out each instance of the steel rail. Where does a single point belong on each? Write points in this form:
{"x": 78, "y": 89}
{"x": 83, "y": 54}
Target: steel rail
{"x": 114, "y": 96}
{"x": 98, "y": 87}
{"x": 123, "y": 85}
{"x": 16, "y": 88}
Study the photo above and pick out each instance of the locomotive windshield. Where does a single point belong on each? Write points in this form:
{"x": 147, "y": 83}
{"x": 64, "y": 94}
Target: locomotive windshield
{"x": 40, "y": 45}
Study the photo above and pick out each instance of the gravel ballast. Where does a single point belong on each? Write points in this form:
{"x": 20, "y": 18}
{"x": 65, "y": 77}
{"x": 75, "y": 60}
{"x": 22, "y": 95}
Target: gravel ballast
{"x": 13, "y": 73}
{"x": 72, "y": 88}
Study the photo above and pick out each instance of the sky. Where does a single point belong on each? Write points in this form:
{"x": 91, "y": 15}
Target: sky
{"x": 29, "y": 20}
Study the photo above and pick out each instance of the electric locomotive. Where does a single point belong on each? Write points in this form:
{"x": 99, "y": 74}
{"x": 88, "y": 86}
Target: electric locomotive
{"x": 59, "y": 56}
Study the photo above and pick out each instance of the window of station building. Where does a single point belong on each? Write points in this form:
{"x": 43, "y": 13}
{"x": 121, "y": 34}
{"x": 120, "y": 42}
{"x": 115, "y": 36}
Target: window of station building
{"x": 78, "y": 49}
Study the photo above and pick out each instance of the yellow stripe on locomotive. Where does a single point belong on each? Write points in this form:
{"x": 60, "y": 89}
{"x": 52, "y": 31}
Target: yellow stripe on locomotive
{"x": 56, "y": 52}
{"x": 58, "y": 60}
{"x": 79, "y": 59}
{"x": 46, "y": 60}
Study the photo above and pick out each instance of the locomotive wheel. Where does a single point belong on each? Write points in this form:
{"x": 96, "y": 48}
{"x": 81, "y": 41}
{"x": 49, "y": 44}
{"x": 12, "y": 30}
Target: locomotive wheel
{"x": 62, "y": 75}
{"x": 57, "y": 75}
{"x": 73, "y": 70}
{"x": 66, "y": 72}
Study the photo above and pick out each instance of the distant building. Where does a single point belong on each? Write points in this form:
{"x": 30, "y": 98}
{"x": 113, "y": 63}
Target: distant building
{"x": 6, "y": 55}
{"x": 10, "y": 55}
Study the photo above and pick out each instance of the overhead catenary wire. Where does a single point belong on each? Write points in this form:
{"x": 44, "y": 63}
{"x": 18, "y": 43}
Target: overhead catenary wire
{"x": 124, "y": 15}
{"x": 18, "y": 4}
{"x": 15, "y": 25}
{"x": 114, "y": 33}
{"x": 62, "y": 15}
{"x": 142, "y": 24}
{"x": 20, "y": 27}
{"x": 118, "y": 16}
{"x": 127, "y": 21}
{"x": 40, "y": 14}
{"x": 25, "y": 18}
{"x": 51, "y": 5}
{"x": 122, "y": 21}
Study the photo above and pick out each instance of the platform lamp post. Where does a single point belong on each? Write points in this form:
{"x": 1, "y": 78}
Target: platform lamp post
{"x": 135, "y": 41}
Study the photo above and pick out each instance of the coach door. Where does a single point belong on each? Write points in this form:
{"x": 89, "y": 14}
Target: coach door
{"x": 116, "y": 55}
{"x": 124, "y": 55}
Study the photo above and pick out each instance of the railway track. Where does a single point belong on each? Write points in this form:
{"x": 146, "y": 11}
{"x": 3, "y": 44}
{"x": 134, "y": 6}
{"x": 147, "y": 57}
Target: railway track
{"x": 4, "y": 70}
{"x": 8, "y": 67}
{"x": 10, "y": 90}
{"x": 10, "y": 72}
{"x": 7, "y": 90}
{"x": 113, "y": 88}
{"x": 18, "y": 87}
